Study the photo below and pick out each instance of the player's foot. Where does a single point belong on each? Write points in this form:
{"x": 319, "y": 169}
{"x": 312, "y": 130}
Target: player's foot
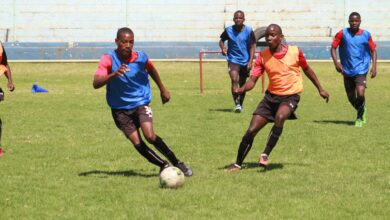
{"x": 1, "y": 152}
{"x": 164, "y": 166}
{"x": 238, "y": 108}
{"x": 365, "y": 115}
{"x": 233, "y": 167}
{"x": 184, "y": 168}
{"x": 263, "y": 160}
{"x": 359, "y": 123}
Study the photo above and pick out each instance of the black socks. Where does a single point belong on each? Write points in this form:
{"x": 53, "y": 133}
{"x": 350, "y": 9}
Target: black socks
{"x": 273, "y": 138}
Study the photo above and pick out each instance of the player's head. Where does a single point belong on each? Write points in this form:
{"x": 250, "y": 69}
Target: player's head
{"x": 124, "y": 41}
{"x": 239, "y": 18}
{"x": 273, "y": 36}
{"x": 354, "y": 21}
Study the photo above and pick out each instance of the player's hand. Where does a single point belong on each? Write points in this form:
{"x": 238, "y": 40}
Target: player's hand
{"x": 339, "y": 67}
{"x": 224, "y": 51}
{"x": 11, "y": 86}
{"x": 249, "y": 66}
{"x": 238, "y": 90}
{"x": 324, "y": 94}
{"x": 165, "y": 96}
{"x": 373, "y": 72}
{"x": 122, "y": 70}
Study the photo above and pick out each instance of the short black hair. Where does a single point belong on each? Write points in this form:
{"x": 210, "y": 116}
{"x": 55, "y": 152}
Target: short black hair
{"x": 124, "y": 30}
{"x": 354, "y": 14}
{"x": 239, "y": 11}
{"x": 276, "y": 26}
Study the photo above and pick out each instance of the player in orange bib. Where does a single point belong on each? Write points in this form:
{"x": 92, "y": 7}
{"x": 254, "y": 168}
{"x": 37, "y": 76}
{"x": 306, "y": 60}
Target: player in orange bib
{"x": 281, "y": 63}
{"x": 6, "y": 70}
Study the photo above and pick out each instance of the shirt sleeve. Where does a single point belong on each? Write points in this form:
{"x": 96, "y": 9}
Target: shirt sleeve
{"x": 224, "y": 36}
{"x": 4, "y": 60}
{"x": 105, "y": 65}
{"x": 258, "y": 68}
{"x": 302, "y": 60}
{"x": 337, "y": 39}
{"x": 371, "y": 43}
{"x": 149, "y": 66}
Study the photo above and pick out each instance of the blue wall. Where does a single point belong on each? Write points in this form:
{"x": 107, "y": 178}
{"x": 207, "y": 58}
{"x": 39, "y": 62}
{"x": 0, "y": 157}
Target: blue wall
{"x": 155, "y": 50}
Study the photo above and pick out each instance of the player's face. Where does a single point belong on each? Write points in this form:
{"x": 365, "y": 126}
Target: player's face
{"x": 239, "y": 19}
{"x": 273, "y": 37}
{"x": 354, "y": 23}
{"x": 125, "y": 44}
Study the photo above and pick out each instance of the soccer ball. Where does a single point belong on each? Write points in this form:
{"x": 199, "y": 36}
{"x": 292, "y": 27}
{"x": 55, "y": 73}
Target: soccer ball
{"x": 171, "y": 177}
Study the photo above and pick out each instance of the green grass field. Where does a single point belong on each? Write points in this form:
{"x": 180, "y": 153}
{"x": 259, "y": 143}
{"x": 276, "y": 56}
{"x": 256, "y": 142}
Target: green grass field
{"x": 65, "y": 159}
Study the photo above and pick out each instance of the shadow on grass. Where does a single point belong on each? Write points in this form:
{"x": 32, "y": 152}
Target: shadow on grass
{"x": 126, "y": 173}
{"x": 221, "y": 110}
{"x": 251, "y": 165}
{"x": 335, "y": 122}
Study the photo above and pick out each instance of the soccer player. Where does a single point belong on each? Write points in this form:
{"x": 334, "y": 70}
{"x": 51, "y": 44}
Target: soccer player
{"x": 281, "y": 62}
{"x": 6, "y": 70}
{"x": 356, "y": 50}
{"x": 125, "y": 73}
{"x": 239, "y": 54}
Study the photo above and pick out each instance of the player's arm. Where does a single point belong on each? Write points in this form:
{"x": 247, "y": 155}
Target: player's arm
{"x": 372, "y": 46}
{"x": 224, "y": 36}
{"x": 257, "y": 71}
{"x": 336, "y": 42}
{"x": 102, "y": 76}
{"x": 374, "y": 58}
{"x": 8, "y": 73}
{"x": 313, "y": 78}
{"x": 252, "y": 50}
{"x": 164, "y": 93}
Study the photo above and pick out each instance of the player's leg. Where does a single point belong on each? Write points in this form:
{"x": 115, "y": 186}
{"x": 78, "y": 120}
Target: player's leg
{"x": 285, "y": 111}
{"x": 234, "y": 73}
{"x": 360, "y": 98}
{"x": 350, "y": 90}
{"x": 242, "y": 79}
{"x": 145, "y": 116}
{"x": 128, "y": 124}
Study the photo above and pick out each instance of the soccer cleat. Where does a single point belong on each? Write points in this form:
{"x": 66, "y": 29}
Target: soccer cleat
{"x": 365, "y": 115}
{"x": 233, "y": 167}
{"x": 263, "y": 160}
{"x": 164, "y": 166}
{"x": 184, "y": 168}
{"x": 359, "y": 123}
{"x": 238, "y": 108}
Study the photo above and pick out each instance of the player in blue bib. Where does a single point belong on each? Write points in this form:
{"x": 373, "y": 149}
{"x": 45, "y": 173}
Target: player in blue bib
{"x": 126, "y": 75}
{"x": 239, "y": 54}
{"x": 357, "y": 50}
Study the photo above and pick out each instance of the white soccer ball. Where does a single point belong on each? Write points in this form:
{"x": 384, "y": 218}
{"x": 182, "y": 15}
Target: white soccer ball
{"x": 171, "y": 177}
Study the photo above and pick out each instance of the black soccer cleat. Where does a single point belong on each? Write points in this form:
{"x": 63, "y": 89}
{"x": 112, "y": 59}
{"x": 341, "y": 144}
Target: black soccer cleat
{"x": 184, "y": 168}
{"x": 166, "y": 164}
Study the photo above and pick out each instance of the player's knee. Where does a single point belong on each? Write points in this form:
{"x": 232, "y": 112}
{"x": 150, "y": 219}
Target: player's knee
{"x": 280, "y": 118}
{"x": 150, "y": 138}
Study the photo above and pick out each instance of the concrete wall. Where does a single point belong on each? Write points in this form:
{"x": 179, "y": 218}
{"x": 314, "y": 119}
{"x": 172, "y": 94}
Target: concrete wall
{"x": 49, "y": 29}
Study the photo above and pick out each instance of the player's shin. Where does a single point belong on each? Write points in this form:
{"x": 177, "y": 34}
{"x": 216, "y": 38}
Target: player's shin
{"x": 164, "y": 149}
{"x": 149, "y": 154}
{"x": 273, "y": 138}
{"x": 244, "y": 148}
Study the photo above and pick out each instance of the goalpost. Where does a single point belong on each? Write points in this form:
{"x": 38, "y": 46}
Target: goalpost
{"x": 201, "y": 53}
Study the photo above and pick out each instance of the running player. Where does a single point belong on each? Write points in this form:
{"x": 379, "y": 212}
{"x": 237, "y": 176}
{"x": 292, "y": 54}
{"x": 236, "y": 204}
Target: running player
{"x": 281, "y": 62}
{"x": 125, "y": 73}
{"x": 240, "y": 52}
{"x": 356, "y": 50}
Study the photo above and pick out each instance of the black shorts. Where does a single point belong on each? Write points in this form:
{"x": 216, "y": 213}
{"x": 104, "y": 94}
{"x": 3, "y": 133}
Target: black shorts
{"x": 129, "y": 121}
{"x": 350, "y": 82}
{"x": 271, "y": 102}
{"x": 242, "y": 70}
